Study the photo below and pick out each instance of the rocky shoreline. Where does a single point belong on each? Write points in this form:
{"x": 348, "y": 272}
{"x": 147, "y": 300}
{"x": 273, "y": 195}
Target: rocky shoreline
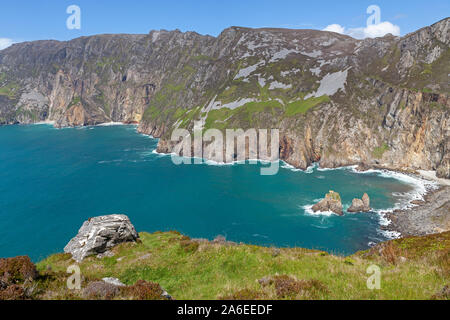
{"x": 432, "y": 215}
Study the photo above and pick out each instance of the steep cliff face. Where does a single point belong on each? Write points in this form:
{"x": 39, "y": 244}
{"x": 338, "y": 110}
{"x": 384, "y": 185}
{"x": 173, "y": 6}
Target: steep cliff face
{"x": 381, "y": 102}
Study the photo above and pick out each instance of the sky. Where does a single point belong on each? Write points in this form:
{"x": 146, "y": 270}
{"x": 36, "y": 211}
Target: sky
{"x": 27, "y": 20}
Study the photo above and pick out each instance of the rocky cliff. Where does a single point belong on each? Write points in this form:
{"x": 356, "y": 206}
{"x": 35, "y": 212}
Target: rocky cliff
{"x": 380, "y": 102}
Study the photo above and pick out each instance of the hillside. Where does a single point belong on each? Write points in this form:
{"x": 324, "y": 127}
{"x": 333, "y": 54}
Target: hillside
{"x": 336, "y": 100}
{"x": 411, "y": 268}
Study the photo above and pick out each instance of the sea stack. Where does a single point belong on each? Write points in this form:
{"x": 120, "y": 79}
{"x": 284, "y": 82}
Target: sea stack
{"x": 360, "y": 205}
{"x": 332, "y": 202}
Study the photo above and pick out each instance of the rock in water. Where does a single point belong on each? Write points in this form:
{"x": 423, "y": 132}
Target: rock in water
{"x": 359, "y": 205}
{"x": 366, "y": 201}
{"x": 97, "y": 235}
{"x": 332, "y": 202}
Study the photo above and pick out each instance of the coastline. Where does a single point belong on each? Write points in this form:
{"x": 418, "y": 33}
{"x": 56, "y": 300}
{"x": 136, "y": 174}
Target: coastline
{"x": 414, "y": 217}
{"x": 426, "y": 211}
{"x": 430, "y": 216}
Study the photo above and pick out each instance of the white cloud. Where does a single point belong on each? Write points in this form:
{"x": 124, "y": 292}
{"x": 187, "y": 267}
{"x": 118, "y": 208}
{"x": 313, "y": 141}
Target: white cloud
{"x": 335, "y": 28}
{"x": 5, "y": 43}
{"x": 371, "y": 31}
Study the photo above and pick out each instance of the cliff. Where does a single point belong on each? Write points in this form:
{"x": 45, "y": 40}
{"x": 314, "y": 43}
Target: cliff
{"x": 379, "y": 102}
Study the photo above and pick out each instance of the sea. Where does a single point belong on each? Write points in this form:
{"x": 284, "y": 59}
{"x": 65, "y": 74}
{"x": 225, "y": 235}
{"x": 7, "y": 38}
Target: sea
{"x": 52, "y": 180}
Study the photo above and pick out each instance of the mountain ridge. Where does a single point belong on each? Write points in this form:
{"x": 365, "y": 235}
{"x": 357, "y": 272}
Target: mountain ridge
{"x": 336, "y": 100}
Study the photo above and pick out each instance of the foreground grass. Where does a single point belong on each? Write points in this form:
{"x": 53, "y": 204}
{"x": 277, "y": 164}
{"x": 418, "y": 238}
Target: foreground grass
{"x": 414, "y": 268}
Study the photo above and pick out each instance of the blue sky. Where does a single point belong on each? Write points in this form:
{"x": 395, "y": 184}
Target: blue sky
{"x": 25, "y": 20}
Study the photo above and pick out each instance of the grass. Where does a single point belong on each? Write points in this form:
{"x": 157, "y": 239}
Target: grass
{"x": 202, "y": 58}
{"x": 75, "y": 101}
{"x": 303, "y": 106}
{"x": 189, "y": 269}
{"x": 379, "y": 151}
{"x": 9, "y": 90}
{"x": 218, "y": 119}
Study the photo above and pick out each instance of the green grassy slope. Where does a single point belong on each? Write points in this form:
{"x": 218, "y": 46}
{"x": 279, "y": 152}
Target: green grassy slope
{"x": 412, "y": 268}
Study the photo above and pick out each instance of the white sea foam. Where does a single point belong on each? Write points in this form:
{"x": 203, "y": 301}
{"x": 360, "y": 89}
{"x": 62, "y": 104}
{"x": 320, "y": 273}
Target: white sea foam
{"x": 287, "y": 166}
{"x": 308, "y": 210}
{"x": 403, "y": 200}
{"x": 256, "y": 235}
{"x": 420, "y": 187}
{"x": 50, "y": 123}
{"x": 309, "y": 170}
{"x": 110, "y": 161}
{"x": 110, "y": 124}
{"x": 161, "y": 154}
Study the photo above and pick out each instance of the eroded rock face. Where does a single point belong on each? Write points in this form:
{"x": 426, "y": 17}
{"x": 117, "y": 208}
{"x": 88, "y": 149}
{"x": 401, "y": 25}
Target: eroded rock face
{"x": 336, "y": 100}
{"x": 332, "y": 202}
{"x": 97, "y": 235}
{"x": 443, "y": 170}
{"x": 359, "y": 205}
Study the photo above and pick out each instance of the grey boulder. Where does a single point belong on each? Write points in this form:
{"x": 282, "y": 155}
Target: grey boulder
{"x": 99, "y": 234}
{"x": 360, "y": 205}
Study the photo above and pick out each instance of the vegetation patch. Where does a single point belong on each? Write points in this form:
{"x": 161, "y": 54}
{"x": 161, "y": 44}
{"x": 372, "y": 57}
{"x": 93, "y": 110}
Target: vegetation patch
{"x": 74, "y": 102}
{"x": 17, "y": 270}
{"x": 303, "y": 106}
{"x": 413, "y": 268}
{"x": 10, "y": 90}
{"x": 143, "y": 290}
{"x": 379, "y": 151}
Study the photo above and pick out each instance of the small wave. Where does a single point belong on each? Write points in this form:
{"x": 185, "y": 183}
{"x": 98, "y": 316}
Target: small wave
{"x": 309, "y": 170}
{"x": 320, "y": 227}
{"x": 110, "y": 124}
{"x": 391, "y": 235}
{"x": 44, "y": 123}
{"x": 256, "y": 235}
{"x": 218, "y": 164}
{"x": 110, "y": 161}
{"x": 340, "y": 168}
{"x": 308, "y": 209}
{"x": 421, "y": 186}
{"x": 160, "y": 154}
{"x": 403, "y": 200}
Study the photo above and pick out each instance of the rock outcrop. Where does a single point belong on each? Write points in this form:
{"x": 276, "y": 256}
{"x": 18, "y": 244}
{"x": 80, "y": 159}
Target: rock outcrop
{"x": 332, "y": 202}
{"x": 98, "y": 235}
{"x": 360, "y": 205}
{"x": 432, "y": 216}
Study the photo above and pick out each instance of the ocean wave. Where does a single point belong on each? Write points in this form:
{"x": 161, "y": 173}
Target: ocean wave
{"x": 391, "y": 235}
{"x": 308, "y": 210}
{"x": 421, "y": 186}
{"x": 110, "y": 161}
{"x": 309, "y": 170}
{"x": 403, "y": 200}
{"x": 161, "y": 155}
{"x": 46, "y": 123}
{"x": 256, "y": 235}
{"x": 340, "y": 168}
{"x": 320, "y": 227}
{"x": 110, "y": 124}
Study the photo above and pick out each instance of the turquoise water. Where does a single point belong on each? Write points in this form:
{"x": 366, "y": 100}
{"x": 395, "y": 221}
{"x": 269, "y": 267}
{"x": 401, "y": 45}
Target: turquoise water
{"x": 52, "y": 180}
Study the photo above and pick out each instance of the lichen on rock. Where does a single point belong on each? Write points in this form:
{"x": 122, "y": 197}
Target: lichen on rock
{"x": 99, "y": 234}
